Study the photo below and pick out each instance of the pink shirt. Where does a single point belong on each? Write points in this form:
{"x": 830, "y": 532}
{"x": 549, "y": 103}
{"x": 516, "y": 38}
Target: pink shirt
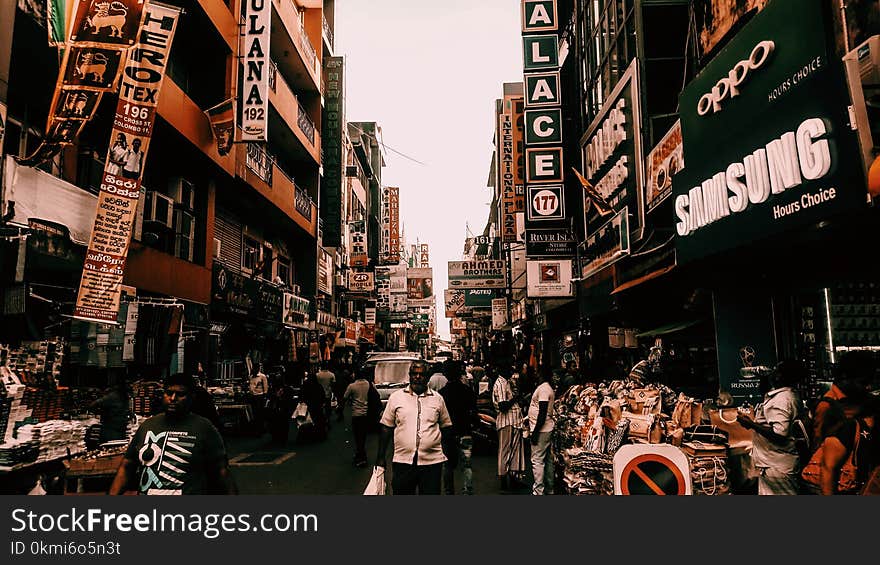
{"x": 416, "y": 420}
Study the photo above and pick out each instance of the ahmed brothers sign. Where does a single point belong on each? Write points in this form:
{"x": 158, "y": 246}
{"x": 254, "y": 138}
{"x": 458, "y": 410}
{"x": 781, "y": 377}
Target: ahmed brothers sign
{"x": 766, "y": 136}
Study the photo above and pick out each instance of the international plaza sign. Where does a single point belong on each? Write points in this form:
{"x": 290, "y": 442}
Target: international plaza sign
{"x": 766, "y": 136}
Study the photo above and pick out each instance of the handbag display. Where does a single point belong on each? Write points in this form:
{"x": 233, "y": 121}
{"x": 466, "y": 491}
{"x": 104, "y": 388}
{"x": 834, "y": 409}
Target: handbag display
{"x": 687, "y": 412}
{"x": 847, "y": 480}
{"x": 706, "y": 433}
{"x": 725, "y": 419}
{"x": 640, "y": 425}
{"x": 644, "y": 401}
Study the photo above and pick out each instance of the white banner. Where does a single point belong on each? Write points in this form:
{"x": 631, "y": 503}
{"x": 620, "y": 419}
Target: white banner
{"x": 255, "y": 69}
{"x": 499, "y": 313}
{"x": 478, "y": 274}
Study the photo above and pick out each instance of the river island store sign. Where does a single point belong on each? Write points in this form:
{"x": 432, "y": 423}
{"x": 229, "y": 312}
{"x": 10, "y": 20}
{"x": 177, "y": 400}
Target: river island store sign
{"x": 765, "y": 136}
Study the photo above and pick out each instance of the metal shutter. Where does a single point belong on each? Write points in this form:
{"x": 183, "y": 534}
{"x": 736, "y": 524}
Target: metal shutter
{"x": 228, "y": 230}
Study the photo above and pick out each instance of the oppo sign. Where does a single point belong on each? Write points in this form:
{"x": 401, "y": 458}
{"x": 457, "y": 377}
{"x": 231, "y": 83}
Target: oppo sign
{"x": 728, "y": 87}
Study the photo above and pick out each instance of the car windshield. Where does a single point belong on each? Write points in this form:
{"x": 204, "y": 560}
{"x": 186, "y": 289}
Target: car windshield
{"x": 392, "y": 372}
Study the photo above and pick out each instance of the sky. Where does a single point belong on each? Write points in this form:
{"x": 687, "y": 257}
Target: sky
{"x": 429, "y": 74}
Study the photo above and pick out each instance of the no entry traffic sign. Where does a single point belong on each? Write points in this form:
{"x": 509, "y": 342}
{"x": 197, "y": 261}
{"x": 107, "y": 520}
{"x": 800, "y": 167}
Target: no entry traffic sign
{"x": 652, "y": 470}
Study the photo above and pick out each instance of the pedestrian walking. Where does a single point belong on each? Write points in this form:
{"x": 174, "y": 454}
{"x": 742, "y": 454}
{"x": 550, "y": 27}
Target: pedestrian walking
{"x": 113, "y": 409}
{"x": 415, "y": 419}
{"x": 358, "y": 394}
{"x": 461, "y": 402}
{"x": 508, "y": 422}
{"x": 327, "y": 379}
{"x": 541, "y": 423}
{"x": 280, "y": 409}
{"x": 176, "y": 452}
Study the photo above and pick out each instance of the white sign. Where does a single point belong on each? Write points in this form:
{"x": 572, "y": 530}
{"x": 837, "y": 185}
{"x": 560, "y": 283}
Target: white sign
{"x": 369, "y": 316}
{"x": 658, "y": 469}
{"x": 255, "y": 70}
{"x": 491, "y": 273}
{"x": 549, "y": 278}
{"x": 361, "y": 282}
{"x": 499, "y": 313}
{"x": 728, "y": 87}
{"x": 546, "y": 202}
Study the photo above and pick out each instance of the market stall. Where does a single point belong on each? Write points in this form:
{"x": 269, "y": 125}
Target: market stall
{"x": 594, "y": 421}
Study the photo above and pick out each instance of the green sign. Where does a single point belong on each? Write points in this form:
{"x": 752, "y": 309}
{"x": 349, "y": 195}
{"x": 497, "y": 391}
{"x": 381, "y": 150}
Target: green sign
{"x": 544, "y": 127}
{"x": 542, "y": 89}
{"x": 544, "y": 165}
{"x": 539, "y": 15}
{"x": 540, "y": 52}
{"x": 479, "y": 298}
{"x": 766, "y": 137}
{"x": 419, "y": 320}
{"x": 333, "y": 120}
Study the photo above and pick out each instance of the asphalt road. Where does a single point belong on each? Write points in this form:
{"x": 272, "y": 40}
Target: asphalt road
{"x": 325, "y": 468}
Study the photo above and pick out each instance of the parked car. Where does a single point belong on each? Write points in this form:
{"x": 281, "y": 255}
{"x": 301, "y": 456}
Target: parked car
{"x": 391, "y": 371}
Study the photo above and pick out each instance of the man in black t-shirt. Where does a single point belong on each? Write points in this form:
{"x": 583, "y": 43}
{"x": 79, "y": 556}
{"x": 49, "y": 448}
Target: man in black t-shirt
{"x": 176, "y": 452}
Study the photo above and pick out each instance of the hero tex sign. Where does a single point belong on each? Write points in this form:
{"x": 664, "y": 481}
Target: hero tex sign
{"x": 255, "y": 72}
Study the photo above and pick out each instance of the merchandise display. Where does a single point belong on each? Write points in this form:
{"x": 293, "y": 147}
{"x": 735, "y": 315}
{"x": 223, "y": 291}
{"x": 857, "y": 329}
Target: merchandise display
{"x": 593, "y": 421}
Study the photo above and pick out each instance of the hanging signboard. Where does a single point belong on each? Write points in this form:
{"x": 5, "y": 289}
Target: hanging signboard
{"x": 664, "y": 161}
{"x": 419, "y": 283}
{"x": 254, "y": 70}
{"x": 606, "y": 245}
{"x": 391, "y": 224}
{"x": 548, "y": 278}
{"x": 296, "y": 311}
{"x": 613, "y": 156}
{"x": 506, "y": 177}
{"x": 454, "y": 300}
{"x": 383, "y": 289}
{"x": 104, "y": 266}
{"x": 552, "y": 242}
{"x": 361, "y": 282}
{"x": 491, "y": 273}
{"x": 325, "y": 272}
{"x": 499, "y": 313}
{"x": 357, "y": 233}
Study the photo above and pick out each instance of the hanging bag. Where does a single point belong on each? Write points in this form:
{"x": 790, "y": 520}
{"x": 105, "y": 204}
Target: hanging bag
{"x": 376, "y": 486}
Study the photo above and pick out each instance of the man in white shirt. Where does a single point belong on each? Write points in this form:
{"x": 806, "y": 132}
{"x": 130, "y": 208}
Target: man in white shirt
{"x": 438, "y": 380}
{"x": 358, "y": 394}
{"x": 327, "y": 379}
{"x": 258, "y": 385}
{"x": 541, "y": 424}
{"x": 508, "y": 423}
{"x": 133, "y": 161}
{"x": 417, "y": 419}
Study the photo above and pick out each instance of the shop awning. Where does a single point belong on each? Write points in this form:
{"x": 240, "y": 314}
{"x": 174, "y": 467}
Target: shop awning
{"x": 644, "y": 278}
{"x": 670, "y": 328}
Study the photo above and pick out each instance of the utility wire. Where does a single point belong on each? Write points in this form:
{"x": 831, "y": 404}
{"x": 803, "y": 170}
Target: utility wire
{"x": 389, "y": 148}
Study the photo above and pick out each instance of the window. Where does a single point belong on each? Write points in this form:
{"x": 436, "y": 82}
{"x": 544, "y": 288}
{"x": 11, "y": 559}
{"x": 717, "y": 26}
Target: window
{"x": 184, "y": 234}
{"x": 250, "y": 256}
{"x": 266, "y": 262}
{"x": 283, "y": 269}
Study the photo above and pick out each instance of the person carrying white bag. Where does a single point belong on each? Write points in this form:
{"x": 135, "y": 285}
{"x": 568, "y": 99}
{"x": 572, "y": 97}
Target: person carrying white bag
{"x": 376, "y": 486}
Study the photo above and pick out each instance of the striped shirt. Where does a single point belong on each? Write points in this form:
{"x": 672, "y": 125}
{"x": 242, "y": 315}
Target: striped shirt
{"x": 501, "y": 392}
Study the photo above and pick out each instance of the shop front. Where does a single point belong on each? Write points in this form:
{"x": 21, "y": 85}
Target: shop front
{"x": 771, "y": 208}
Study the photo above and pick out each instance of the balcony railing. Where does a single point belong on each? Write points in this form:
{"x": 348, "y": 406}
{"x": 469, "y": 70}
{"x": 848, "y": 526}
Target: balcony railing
{"x": 303, "y": 202}
{"x": 273, "y": 74}
{"x": 259, "y": 162}
{"x": 327, "y": 31}
{"x": 309, "y": 52}
{"x": 305, "y": 123}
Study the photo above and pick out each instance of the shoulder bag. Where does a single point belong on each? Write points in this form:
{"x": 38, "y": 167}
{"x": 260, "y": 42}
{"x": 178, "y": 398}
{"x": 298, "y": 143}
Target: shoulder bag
{"x": 847, "y": 480}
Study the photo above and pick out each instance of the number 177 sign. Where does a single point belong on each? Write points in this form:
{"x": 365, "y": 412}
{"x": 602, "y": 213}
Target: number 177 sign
{"x": 546, "y": 202}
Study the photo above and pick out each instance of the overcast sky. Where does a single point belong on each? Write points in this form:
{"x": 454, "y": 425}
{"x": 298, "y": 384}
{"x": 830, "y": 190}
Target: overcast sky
{"x": 429, "y": 74}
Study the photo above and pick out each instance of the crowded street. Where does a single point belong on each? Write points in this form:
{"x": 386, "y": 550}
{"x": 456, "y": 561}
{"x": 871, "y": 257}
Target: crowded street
{"x": 478, "y": 247}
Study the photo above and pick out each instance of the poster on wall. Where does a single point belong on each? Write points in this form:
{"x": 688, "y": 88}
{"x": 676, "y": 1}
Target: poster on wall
{"x": 499, "y": 313}
{"x": 104, "y": 267}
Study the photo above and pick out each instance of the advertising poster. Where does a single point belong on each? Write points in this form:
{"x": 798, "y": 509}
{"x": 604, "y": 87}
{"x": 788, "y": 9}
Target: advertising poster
{"x": 222, "y": 118}
{"x": 499, "y": 313}
{"x": 663, "y": 162}
{"x": 453, "y": 299}
{"x": 104, "y": 266}
{"x": 548, "y": 278}
{"x": 419, "y": 283}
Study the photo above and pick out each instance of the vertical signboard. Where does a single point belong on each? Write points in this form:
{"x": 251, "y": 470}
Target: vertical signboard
{"x": 100, "y": 286}
{"x": 357, "y": 249}
{"x": 424, "y": 256}
{"x": 331, "y": 146}
{"x": 254, "y": 70}
{"x": 517, "y": 109}
{"x": 547, "y": 229}
{"x": 391, "y": 220}
{"x": 499, "y": 313}
{"x": 506, "y": 177}
{"x": 614, "y": 165}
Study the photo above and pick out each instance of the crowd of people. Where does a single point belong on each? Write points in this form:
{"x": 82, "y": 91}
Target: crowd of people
{"x": 430, "y": 427}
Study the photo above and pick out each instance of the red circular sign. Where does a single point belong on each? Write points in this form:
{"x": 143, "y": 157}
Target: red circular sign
{"x": 654, "y": 475}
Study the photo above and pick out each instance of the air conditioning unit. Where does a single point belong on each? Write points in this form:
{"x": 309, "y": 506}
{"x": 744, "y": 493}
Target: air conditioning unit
{"x": 863, "y": 78}
{"x": 158, "y": 209}
{"x": 216, "y": 248}
{"x": 183, "y": 192}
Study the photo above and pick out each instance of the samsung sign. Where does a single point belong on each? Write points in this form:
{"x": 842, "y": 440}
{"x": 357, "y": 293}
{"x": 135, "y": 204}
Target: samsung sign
{"x": 768, "y": 145}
